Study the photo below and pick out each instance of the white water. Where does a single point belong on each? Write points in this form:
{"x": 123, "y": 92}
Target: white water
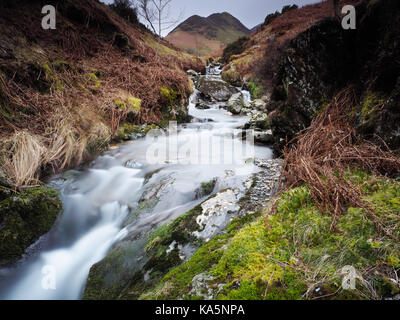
{"x": 97, "y": 202}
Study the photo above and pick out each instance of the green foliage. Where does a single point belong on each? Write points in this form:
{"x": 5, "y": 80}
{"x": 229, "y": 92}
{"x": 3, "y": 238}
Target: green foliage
{"x": 128, "y": 103}
{"x": 94, "y": 80}
{"x": 371, "y": 104}
{"x": 169, "y": 95}
{"x": 126, "y": 9}
{"x": 24, "y": 218}
{"x": 255, "y": 90}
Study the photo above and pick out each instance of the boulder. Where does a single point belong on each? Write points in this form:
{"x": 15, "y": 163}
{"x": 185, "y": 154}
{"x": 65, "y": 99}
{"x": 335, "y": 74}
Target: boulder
{"x": 215, "y": 89}
{"x": 259, "y": 121}
{"x": 24, "y": 218}
{"x": 264, "y": 137}
{"x": 192, "y": 73}
{"x": 202, "y": 105}
{"x": 235, "y": 103}
{"x": 259, "y": 104}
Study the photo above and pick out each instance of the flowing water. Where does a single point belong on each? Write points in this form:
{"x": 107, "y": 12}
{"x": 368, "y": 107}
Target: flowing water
{"x": 99, "y": 201}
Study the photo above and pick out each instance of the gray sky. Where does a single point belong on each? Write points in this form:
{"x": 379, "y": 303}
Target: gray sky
{"x": 249, "y": 12}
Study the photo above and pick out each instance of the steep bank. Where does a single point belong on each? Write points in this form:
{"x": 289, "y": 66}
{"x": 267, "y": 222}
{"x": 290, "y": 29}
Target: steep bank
{"x": 65, "y": 94}
{"x": 69, "y": 89}
{"x": 319, "y": 229}
{"x": 299, "y": 60}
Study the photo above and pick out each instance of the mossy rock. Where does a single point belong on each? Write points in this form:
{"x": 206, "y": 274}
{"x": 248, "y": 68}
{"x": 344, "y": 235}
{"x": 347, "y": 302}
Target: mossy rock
{"x": 24, "y": 218}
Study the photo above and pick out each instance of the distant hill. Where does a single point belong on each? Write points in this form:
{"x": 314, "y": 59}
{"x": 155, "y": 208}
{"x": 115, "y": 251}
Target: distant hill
{"x": 207, "y": 36}
{"x": 256, "y": 28}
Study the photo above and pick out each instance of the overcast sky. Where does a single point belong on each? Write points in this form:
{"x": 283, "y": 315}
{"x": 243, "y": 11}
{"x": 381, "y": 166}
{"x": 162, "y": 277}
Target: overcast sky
{"x": 249, "y": 12}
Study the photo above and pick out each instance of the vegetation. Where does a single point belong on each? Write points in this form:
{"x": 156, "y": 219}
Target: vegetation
{"x": 294, "y": 253}
{"x": 126, "y": 9}
{"x": 235, "y": 48}
{"x": 24, "y": 218}
{"x": 63, "y": 97}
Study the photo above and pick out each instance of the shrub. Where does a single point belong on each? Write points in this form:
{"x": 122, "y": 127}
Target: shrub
{"x": 269, "y": 18}
{"x": 289, "y": 8}
{"x": 125, "y": 9}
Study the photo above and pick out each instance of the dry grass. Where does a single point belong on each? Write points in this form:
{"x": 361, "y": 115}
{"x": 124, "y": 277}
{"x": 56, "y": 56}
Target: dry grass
{"x": 76, "y": 116}
{"x": 321, "y": 155}
{"x": 21, "y": 156}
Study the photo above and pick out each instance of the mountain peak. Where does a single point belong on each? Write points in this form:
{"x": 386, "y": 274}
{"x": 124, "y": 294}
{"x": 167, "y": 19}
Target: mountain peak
{"x": 207, "y": 36}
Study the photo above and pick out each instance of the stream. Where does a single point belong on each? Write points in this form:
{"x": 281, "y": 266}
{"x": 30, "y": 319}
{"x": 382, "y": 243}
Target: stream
{"x": 99, "y": 201}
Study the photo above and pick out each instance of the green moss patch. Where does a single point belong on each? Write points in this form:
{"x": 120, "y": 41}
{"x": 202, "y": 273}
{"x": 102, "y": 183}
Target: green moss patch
{"x": 24, "y": 218}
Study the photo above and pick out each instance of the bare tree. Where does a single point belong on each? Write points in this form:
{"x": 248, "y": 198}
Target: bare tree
{"x": 157, "y": 14}
{"x": 336, "y": 9}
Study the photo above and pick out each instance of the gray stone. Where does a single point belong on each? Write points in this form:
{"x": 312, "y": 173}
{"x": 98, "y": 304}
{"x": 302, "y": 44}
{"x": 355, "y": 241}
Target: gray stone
{"x": 192, "y": 73}
{"x": 235, "y": 103}
{"x": 264, "y": 137}
{"x": 215, "y": 89}
{"x": 259, "y": 104}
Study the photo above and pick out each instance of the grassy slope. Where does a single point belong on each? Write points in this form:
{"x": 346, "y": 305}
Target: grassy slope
{"x": 294, "y": 254}
{"x": 65, "y": 92}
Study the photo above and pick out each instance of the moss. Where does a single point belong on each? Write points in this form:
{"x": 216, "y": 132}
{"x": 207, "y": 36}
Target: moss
{"x": 208, "y": 187}
{"x": 255, "y": 90}
{"x": 24, "y": 218}
{"x": 94, "y": 80}
{"x": 179, "y": 230}
{"x": 169, "y": 95}
{"x": 370, "y": 105}
{"x": 125, "y": 132}
{"x": 51, "y": 76}
{"x": 233, "y": 77}
{"x": 177, "y": 282}
{"x": 128, "y": 103}
{"x": 324, "y": 102}
{"x": 128, "y": 131}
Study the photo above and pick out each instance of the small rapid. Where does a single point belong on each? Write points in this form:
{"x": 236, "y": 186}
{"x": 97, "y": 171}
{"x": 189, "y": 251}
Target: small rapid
{"x": 101, "y": 203}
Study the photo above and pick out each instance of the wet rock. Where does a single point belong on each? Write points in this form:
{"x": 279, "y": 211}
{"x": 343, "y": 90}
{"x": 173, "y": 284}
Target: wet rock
{"x": 192, "y": 73}
{"x": 259, "y": 104}
{"x": 201, "y": 104}
{"x": 258, "y": 121}
{"x": 235, "y": 103}
{"x": 24, "y": 218}
{"x": 264, "y": 137}
{"x": 215, "y": 89}
{"x": 215, "y": 214}
{"x": 201, "y": 288}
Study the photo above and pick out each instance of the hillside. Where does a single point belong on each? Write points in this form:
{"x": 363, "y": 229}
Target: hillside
{"x": 207, "y": 36}
{"x": 65, "y": 94}
{"x": 258, "y": 59}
